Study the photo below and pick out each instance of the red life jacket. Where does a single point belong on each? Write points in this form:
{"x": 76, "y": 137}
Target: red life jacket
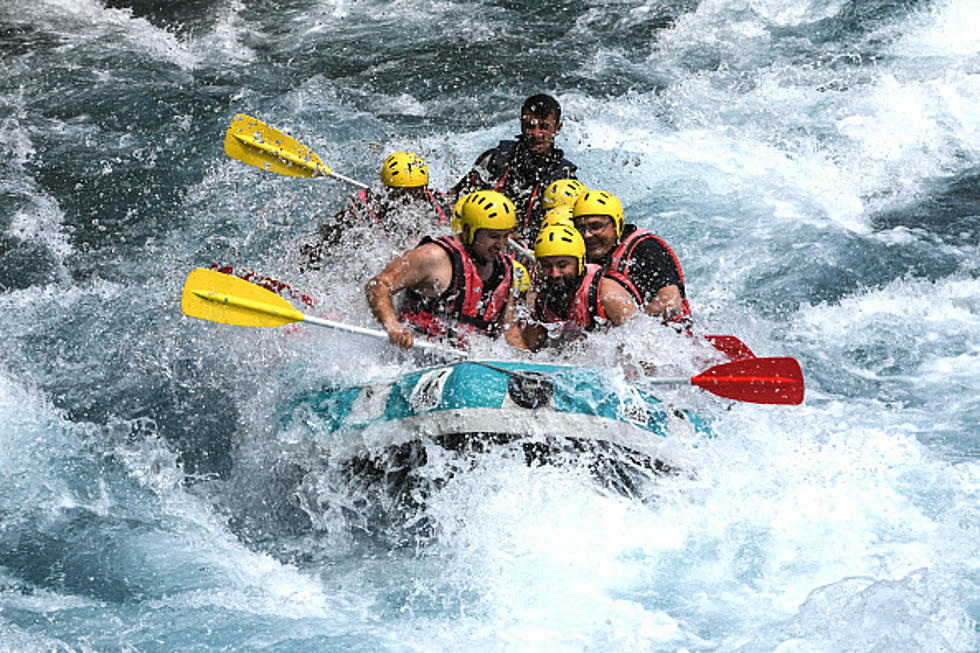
{"x": 622, "y": 256}
{"x": 585, "y": 306}
{"x": 465, "y": 302}
{"x": 360, "y": 204}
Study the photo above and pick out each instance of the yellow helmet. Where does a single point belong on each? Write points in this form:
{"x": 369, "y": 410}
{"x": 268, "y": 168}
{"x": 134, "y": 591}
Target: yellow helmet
{"x": 486, "y": 209}
{"x": 522, "y": 280}
{"x": 560, "y": 240}
{"x": 599, "y": 202}
{"x": 404, "y": 170}
{"x": 562, "y": 192}
{"x": 559, "y": 215}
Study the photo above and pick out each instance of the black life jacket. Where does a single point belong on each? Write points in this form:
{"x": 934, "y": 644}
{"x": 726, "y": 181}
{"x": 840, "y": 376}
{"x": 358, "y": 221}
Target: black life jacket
{"x": 622, "y": 256}
{"x": 514, "y": 171}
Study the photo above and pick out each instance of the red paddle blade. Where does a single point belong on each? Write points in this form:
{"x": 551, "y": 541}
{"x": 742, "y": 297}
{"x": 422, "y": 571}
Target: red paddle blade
{"x": 777, "y": 380}
{"x": 731, "y": 346}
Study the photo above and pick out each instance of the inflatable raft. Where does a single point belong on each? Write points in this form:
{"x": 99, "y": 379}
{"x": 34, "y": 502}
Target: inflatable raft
{"x": 470, "y": 405}
{"x": 548, "y": 410}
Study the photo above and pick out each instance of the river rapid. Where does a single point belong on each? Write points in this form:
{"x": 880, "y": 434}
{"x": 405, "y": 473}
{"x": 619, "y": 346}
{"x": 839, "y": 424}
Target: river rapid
{"x": 813, "y": 163}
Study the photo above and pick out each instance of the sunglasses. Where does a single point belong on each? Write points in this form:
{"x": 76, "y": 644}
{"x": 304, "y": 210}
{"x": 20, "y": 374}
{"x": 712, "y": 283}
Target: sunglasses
{"x": 593, "y": 225}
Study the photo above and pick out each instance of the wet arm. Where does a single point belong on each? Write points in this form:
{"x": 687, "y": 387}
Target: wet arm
{"x": 666, "y": 303}
{"x": 379, "y": 292}
{"x": 418, "y": 269}
{"x": 617, "y": 302}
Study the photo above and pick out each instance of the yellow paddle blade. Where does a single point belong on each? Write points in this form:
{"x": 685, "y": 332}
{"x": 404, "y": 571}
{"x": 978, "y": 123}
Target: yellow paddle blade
{"x": 218, "y": 297}
{"x": 253, "y": 142}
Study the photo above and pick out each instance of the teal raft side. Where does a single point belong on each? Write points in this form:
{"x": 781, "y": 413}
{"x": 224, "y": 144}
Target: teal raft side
{"x": 585, "y": 390}
{"x": 480, "y": 384}
{"x": 334, "y": 406}
{"x": 467, "y": 384}
{"x": 476, "y": 384}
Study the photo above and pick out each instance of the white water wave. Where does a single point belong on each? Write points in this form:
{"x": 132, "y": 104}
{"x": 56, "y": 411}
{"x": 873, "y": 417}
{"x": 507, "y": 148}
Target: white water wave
{"x": 88, "y": 22}
{"x": 857, "y": 132}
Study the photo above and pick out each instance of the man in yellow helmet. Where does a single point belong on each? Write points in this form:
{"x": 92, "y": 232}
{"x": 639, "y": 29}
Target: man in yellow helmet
{"x": 407, "y": 206}
{"x": 636, "y": 253}
{"x": 521, "y": 169}
{"x": 452, "y": 285}
{"x": 571, "y": 297}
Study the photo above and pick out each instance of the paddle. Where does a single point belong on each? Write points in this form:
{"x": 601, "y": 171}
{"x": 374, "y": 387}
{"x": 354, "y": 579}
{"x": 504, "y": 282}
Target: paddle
{"x": 253, "y": 142}
{"x": 217, "y": 297}
{"x": 520, "y": 249}
{"x": 777, "y": 380}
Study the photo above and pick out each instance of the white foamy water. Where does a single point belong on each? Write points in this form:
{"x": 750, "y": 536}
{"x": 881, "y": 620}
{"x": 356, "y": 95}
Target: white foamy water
{"x": 811, "y": 163}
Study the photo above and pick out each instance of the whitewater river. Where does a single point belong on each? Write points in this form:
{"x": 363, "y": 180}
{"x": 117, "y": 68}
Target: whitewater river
{"x": 814, "y": 163}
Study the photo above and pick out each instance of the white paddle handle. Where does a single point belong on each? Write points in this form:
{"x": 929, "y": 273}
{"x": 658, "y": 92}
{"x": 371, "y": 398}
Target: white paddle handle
{"x": 352, "y": 182}
{"x": 371, "y": 333}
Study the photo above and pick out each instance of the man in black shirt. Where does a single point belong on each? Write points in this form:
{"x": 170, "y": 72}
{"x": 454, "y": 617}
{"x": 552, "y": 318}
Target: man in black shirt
{"x": 521, "y": 169}
{"x": 645, "y": 259}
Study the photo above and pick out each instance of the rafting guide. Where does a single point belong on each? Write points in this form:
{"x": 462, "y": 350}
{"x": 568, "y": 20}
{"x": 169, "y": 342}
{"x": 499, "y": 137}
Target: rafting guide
{"x": 523, "y": 168}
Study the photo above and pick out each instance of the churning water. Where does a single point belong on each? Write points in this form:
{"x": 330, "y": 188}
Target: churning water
{"x": 814, "y": 163}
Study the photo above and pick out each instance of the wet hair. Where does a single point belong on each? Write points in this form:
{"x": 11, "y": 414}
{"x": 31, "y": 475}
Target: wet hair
{"x": 542, "y": 106}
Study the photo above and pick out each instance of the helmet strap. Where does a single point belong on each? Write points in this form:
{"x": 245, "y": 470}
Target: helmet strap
{"x": 468, "y": 246}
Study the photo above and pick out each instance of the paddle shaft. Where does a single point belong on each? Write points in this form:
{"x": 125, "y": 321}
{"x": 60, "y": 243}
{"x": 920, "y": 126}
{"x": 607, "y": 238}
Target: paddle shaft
{"x": 380, "y": 335}
{"x": 520, "y": 249}
{"x": 349, "y": 328}
{"x": 352, "y": 182}
{"x": 668, "y": 380}
{"x": 288, "y": 314}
